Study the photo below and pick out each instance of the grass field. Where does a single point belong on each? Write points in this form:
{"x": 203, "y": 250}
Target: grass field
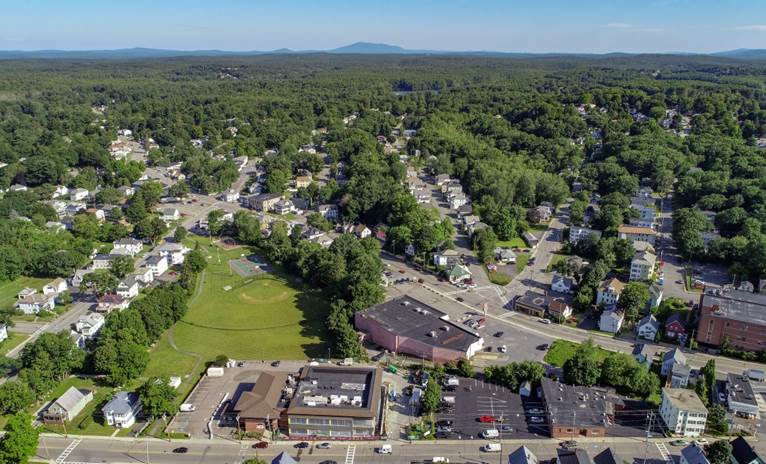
{"x": 14, "y": 339}
{"x": 266, "y": 317}
{"x": 555, "y": 259}
{"x": 561, "y": 350}
{"x": 516, "y": 242}
{"x": 521, "y": 261}
{"x": 81, "y": 425}
{"x": 9, "y": 290}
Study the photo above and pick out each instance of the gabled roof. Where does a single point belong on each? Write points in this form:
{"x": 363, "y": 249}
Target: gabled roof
{"x": 649, "y": 319}
{"x": 522, "y": 455}
{"x": 260, "y": 402}
{"x": 675, "y": 317}
{"x": 614, "y": 283}
{"x": 71, "y": 398}
{"x": 122, "y": 403}
{"x": 283, "y": 458}
{"x": 608, "y": 456}
{"x": 676, "y": 355}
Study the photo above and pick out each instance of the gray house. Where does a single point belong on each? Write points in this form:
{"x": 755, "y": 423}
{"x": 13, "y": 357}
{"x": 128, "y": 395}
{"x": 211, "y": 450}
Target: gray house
{"x": 67, "y": 406}
{"x": 671, "y": 358}
{"x": 522, "y": 455}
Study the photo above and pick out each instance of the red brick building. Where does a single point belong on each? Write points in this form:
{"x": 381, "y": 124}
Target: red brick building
{"x": 733, "y": 314}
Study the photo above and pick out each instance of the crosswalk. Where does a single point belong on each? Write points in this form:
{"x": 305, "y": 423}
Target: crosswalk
{"x": 350, "y": 452}
{"x": 665, "y": 453}
{"x": 67, "y": 451}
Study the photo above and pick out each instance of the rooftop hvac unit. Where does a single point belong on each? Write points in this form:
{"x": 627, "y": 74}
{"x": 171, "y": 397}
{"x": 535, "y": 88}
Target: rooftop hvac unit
{"x": 405, "y": 303}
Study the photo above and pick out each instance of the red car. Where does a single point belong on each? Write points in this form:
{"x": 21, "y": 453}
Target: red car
{"x": 261, "y": 445}
{"x": 486, "y": 419}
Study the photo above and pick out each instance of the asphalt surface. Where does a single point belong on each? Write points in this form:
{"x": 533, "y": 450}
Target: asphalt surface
{"x": 119, "y": 451}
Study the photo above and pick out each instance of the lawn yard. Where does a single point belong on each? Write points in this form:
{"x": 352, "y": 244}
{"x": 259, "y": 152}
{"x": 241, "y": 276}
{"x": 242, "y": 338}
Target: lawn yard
{"x": 561, "y": 350}
{"x": 263, "y": 317}
{"x": 556, "y": 258}
{"x": 9, "y": 290}
{"x": 89, "y": 421}
{"x": 14, "y": 339}
{"x": 521, "y": 261}
{"x": 516, "y": 242}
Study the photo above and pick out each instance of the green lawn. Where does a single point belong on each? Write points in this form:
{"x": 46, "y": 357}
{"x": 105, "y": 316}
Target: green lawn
{"x": 556, "y": 258}
{"x": 516, "y": 242}
{"x": 540, "y": 227}
{"x": 266, "y": 317}
{"x": 14, "y": 340}
{"x": 561, "y": 350}
{"x": 521, "y": 261}
{"x": 9, "y": 290}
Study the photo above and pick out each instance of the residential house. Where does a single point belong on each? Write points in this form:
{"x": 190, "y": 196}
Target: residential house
{"x": 743, "y": 453}
{"x": 87, "y": 327}
{"x": 683, "y": 412}
{"x": 55, "y": 287}
{"x": 611, "y": 320}
{"x": 283, "y": 458}
{"x": 35, "y": 303}
{"x": 170, "y": 214}
{"x": 572, "y": 456}
{"x": 60, "y": 191}
{"x": 522, "y": 455}
{"x": 505, "y": 255}
{"x": 456, "y": 201}
{"x": 329, "y": 211}
{"x": 25, "y": 292}
{"x": 79, "y": 274}
{"x": 645, "y": 213}
{"x": 311, "y": 233}
{"x": 302, "y": 181}
{"x": 648, "y": 327}
{"x": 464, "y": 210}
{"x": 670, "y": 359}
{"x": 158, "y": 265}
{"x": 230, "y": 196}
{"x": 642, "y": 266}
{"x": 531, "y": 240}
{"x": 285, "y": 206}
{"x": 644, "y": 354}
{"x": 559, "y": 310}
{"x": 637, "y": 234}
{"x": 675, "y": 326}
{"x": 67, "y": 406}
{"x": 609, "y": 456}
{"x": 562, "y": 284}
{"x": 441, "y": 179}
{"x": 122, "y": 410}
{"x": 78, "y": 194}
{"x": 144, "y": 275}
{"x": 655, "y": 296}
{"x": 679, "y": 376}
{"x": 128, "y": 287}
{"x": 693, "y": 454}
{"x": 110, "y": 302}
{"x": 540, "y": 214}
{"x": 103, "y": 261}
{"x": 361, "y": 231}
{"x": 458, "y": 273}
{"x": 608, "y": 293}
{"x": 581, "y": 233}
{"x": 175, "y": 253}
{"x": 446, "y": 258}
{"x": 127, "y": 246}
{"x": 469, "y": 220}
{"x": 475, "y": 227}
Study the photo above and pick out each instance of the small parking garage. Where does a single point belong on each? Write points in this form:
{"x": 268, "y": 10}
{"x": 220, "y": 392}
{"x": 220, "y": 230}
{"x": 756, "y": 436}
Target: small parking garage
{"x": 474, "y": 398}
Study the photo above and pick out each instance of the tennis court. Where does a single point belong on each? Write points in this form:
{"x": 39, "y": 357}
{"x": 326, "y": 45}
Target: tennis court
{"x": 246, "y": 267}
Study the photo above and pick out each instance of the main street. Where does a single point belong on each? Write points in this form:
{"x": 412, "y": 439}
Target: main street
{"x": 62, "y": 450}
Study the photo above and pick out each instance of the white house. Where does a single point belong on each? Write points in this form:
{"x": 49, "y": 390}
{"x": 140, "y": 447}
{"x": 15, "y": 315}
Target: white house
{"x": 89, "y": 325}
{"x": 174, "y": 252}
{"x": 230, "y": 196}
{"x": 55, "y": 286}
{"x": 170, "y": 214}
{"x": 103, "y": 261}
{"x": 158, "y": 265}
{"x": 35, "y": 303}
{"x": 683, "y": 412}
{"x": 67, "y": 406}
{"x": 144, "y": 275}
{"x": 505, "y": 255}
{"x": 25, "y": 292}
{"x": 609, "y": 292}
{"x": 127, "y": 246}
{"x": 110, "y": 302}
{"x": 637, "y": 234}
{"x": 122, "y": 410}
{"x": 446, "y": 258}
{"x": 128, "y": 287}
{"x": 562, "y": 284}
{"x": 328, "y": 211}
{"x": 642, "y": 266}
{"x": 648, "y": 327}
{"x": 611, "y": 320}
{"x": 362, "y": 231}
{"x": 581, "y": 233}
{"x": 78, "y": 194}
{"x": 456, "y": 201}
{"x": 60, "y": 191}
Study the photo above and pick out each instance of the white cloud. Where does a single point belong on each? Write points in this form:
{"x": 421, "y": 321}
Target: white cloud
{"x": 618, "y": 26}
{"x": 752, "y": 27}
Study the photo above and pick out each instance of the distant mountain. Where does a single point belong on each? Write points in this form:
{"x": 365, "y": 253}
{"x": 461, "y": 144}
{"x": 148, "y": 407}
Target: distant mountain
{"x": 368, "y": 48}
{"x": 743, "y": 54}
{"x": 359, "y": 48}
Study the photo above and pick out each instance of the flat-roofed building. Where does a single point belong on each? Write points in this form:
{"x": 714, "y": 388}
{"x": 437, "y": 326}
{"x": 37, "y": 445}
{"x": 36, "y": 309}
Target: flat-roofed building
{"x": 575, "y": 410}
{"x": 335, "y": 402}
{"x": 737, "y": 315}
{"x": 683, "y": 412}
{"x": 409, "y": 326}
{"x": 740, "y": 397}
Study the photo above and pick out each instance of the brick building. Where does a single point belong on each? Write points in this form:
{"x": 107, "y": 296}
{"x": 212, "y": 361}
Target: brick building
{"x": 735, "y": 315}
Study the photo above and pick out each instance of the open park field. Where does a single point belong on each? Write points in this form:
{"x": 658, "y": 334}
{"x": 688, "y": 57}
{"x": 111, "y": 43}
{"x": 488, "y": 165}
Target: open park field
{"x": 268, "y": 316}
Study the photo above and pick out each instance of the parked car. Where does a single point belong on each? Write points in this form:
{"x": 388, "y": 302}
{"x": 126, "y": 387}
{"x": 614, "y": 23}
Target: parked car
{"x": 486, "y": 419}
{"x": 543, "y": 347}
{"x": 569, "y": 444}
{"x": 324, "y": 445}
{"x": 701, "y": 442}
{"x": 535, "y": 411}
{"x": 545, "y": 321}
{"x": 275, "y": 364}
{"x": 181, "y": 450}
{"x": 502, "y": 348}
{"x": 536, "y": 420}
{"x": 302, "y": 445}
{"x": 261, "y": 445}
{"x": 721, "y": 397}
{"x": 329, "y": 461}
{"x": 506, "y": 428}
{"x": 498, "y": 334}
{"x": 679, "y": 442}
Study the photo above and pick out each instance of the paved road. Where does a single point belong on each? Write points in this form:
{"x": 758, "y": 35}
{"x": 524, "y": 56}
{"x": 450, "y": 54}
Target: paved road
{"x": 62, "y": 322}
{"x": 118, "y": 451}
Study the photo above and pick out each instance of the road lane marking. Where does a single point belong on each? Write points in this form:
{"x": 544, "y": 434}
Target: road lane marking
{"x": 665, "y": 453}
{"x": 67, "y": 451}
{"x": 350, "y": 452}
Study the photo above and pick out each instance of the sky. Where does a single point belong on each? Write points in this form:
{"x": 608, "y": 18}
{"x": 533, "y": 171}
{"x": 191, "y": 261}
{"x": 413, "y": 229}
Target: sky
{"x": 498, "y": 25}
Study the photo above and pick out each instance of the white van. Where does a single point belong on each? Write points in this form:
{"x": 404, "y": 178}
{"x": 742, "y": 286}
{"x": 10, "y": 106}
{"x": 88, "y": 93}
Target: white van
{"x": 491, "y": 448}
{"x": 385, "y": 449}
{"x": 490, "y": 434}
{"x": 439, "y": 459}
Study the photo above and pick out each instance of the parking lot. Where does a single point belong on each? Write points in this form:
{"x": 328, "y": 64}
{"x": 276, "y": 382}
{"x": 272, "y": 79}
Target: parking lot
{"x": 474, "y": 399}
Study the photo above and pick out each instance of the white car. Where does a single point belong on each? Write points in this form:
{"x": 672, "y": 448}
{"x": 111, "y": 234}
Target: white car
{"x": 502, "y": 348}
{"x": 701, "y": 442}
{"x": 536, "y": 420}
{"x": 545, "y": 321}
{"x": 385, "y": 449}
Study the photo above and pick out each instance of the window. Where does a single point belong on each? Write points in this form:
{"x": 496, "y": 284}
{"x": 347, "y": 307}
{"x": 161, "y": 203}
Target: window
{"x": 297, "y": 420}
